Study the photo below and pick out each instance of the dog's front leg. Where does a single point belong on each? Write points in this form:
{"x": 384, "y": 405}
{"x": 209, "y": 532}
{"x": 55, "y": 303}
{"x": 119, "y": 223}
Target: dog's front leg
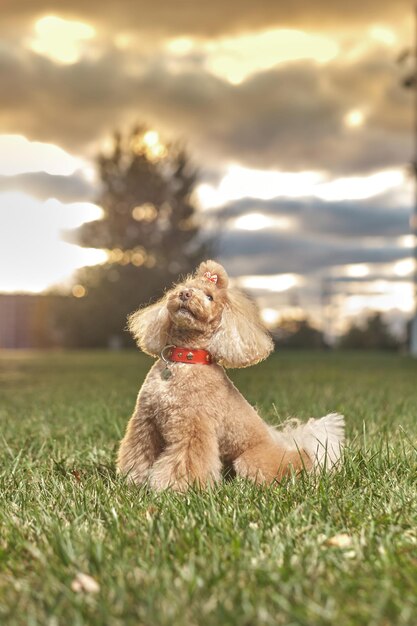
{"x": 190, "y": 458}
{"x": 139, "y": 448}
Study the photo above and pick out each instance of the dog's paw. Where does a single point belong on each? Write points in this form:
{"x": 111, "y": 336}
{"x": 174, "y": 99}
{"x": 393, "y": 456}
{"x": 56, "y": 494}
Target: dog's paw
{"x": 161, "y": 480}
{"x": 134, "y": 477}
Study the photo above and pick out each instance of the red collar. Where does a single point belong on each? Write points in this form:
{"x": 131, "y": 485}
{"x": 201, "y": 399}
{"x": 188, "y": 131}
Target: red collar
{"x": 187, "y": 355}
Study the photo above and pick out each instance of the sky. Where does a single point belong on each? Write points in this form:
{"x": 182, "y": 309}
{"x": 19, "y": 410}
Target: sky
{"x": 294, "y": 112}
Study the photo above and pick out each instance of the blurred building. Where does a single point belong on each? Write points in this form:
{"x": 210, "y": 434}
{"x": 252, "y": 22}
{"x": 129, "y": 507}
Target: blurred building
{"x": 26, "y": 321}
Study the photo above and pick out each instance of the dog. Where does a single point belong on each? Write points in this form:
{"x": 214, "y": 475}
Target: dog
{"x": 190, "y": 419}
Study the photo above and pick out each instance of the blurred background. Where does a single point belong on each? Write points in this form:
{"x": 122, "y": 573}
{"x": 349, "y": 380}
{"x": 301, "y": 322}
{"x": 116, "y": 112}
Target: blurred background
{"x": 138, "y": 138}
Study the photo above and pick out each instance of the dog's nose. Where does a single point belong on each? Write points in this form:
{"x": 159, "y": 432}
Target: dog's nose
{"x": 186, "y": 294}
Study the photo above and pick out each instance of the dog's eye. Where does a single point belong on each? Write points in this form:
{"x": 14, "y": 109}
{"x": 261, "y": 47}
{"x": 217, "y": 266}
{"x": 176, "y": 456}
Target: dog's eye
{"x": 209, "y": 296}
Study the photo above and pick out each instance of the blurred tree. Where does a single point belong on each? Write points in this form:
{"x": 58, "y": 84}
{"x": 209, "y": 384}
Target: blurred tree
{"x": 150, "y": 231}
{"x": 373, "y": 335}
{"x": 297, "y": 333}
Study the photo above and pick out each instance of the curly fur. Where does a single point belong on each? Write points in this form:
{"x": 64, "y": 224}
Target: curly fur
{"x": 185, "y": 428}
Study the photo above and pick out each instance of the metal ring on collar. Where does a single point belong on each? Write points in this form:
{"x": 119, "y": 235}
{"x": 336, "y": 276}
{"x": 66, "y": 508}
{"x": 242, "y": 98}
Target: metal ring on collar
{"x": 162, "y": 353}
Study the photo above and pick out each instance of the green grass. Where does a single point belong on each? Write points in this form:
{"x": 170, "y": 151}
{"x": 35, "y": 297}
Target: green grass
{"x": 238, "y": 554}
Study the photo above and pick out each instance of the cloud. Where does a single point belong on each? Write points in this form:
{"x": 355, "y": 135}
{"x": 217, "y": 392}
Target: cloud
{"x": 292, "y": 118}
{"x": 18, "y": 155}
{"x": 32, "y": 254}
{"x": 43, "y": 186}
{"x": 323, "y": 235}
{"x": 289, "y": 118}
{"x": 314, "y": 217}
{"x": 272, "y": 113}
{"x": 170, "y": 18}
{"x": 277, "y": 253}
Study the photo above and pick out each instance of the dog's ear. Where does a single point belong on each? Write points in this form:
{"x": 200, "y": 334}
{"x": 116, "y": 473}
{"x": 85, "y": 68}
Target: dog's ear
{"x": 214, "y": 272}
{"x": 241, "y": 339}
{"x": 149, "y": 326}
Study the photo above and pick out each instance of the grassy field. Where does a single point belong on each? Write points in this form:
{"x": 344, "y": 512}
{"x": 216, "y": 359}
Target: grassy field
{"x": 336, "y": 550}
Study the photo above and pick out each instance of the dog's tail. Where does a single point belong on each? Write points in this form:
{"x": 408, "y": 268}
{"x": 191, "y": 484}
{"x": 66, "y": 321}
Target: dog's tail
{"x": 322, "y": 438}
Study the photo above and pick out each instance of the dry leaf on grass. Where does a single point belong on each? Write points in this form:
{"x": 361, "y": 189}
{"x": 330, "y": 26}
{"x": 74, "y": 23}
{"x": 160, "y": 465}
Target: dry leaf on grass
{"x": 339, "y": 541}
{"x": 76, "y": 475}
{"x": 83, "y": 583}
{"x": 349, "y": 554}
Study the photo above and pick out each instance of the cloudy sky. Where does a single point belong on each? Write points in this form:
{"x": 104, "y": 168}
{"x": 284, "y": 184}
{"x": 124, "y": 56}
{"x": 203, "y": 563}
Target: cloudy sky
{"x": 294, "y": 112}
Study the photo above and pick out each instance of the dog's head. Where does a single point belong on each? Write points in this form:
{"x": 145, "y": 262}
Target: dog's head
{"x": 206, "y": 313}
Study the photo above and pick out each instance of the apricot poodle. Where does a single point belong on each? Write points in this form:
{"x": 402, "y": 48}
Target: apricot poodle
{"x": 189, "y": 418}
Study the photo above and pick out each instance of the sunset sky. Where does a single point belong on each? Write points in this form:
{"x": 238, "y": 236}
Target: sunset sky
{"x": 294, "y": 112}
